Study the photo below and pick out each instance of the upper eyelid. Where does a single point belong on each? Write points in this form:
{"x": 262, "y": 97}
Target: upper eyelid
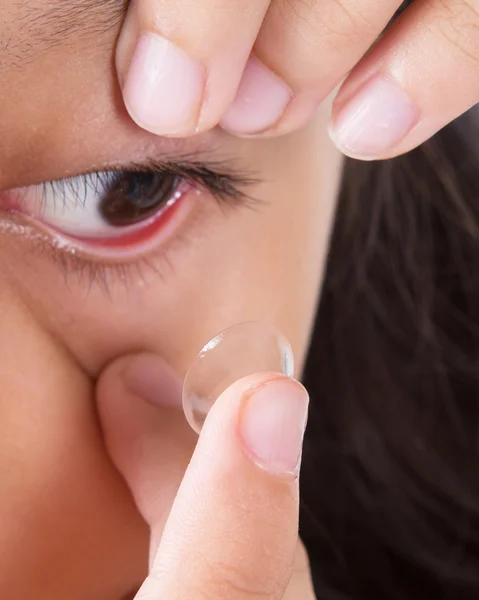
{"x": 183, "y": 165}
{"x": 134, "y": 153}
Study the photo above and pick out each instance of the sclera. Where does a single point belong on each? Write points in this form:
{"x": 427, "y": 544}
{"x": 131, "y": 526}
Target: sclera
{"x": 240, "y": 350}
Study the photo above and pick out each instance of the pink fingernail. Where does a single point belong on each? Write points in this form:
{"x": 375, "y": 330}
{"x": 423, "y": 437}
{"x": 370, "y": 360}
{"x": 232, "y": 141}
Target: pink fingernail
{"x": 273, "y": 422}
{"x": 375, "y": 120}
{"x": 260, "y": 102}
{"x": 164, "y": 87}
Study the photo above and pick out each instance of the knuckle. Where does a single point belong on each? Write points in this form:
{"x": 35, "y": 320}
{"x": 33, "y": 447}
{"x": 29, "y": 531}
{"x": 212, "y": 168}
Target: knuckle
{"x": 458, "y": 23}
{"x": 337, "y": 25}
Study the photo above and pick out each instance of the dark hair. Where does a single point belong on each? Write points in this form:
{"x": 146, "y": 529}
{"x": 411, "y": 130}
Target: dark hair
{"x": 390, "y": 479}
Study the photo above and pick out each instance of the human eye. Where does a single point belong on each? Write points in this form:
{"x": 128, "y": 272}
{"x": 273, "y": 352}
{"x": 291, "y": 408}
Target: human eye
{"x": 120, "y": 213}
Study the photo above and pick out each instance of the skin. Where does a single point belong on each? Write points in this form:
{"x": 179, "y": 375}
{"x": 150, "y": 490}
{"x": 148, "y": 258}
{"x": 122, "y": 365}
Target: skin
{"x": 70, "y": 526}
{"x": 80, "y": 514}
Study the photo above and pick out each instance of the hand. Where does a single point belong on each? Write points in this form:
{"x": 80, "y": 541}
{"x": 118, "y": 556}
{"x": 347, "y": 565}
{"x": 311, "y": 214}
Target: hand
{"x": 264, "y": 66}
{"x": 228, "y": 526}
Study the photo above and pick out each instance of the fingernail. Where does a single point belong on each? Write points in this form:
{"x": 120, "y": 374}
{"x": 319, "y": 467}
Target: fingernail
{"x": 272, "y": 424}
{"x": 260, "y": 102}
{"x": 375, "y": 120}
{"x": 164, "y": 87}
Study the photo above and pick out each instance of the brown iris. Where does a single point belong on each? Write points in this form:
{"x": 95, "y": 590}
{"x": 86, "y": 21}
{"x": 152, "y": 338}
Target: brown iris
{"x": 133, "y": 197}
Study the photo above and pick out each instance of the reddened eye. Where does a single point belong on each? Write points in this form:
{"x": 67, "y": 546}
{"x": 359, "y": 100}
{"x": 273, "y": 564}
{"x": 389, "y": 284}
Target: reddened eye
{"x": 125, "y": 213}
{"x": 103, "y": 205}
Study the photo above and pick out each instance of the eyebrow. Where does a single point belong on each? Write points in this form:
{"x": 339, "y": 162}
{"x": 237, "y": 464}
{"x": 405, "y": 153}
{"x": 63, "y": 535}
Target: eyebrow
{"x": 52, "y": 23}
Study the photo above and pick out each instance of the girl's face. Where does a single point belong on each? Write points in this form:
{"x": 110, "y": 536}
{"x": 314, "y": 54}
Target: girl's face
{"x": 68, "y": 526}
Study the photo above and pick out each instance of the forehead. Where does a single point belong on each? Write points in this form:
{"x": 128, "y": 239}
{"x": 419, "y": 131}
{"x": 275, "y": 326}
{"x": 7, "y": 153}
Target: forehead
{"x": 30, "y": 27}
{"x": 57, "y": 83}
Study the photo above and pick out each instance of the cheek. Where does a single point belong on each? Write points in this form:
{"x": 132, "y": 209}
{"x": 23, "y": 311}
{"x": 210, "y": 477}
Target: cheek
{"x": 269, "y": 264}
{"x": 56, "y": 481}
{"x": 266, "y": 264}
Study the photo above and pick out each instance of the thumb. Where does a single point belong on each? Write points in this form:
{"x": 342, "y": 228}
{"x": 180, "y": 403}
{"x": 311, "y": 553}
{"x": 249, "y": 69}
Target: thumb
{"x": 150, "y": 445}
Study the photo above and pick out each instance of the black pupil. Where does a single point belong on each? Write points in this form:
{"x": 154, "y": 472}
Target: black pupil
{"x": 134, "y": 197}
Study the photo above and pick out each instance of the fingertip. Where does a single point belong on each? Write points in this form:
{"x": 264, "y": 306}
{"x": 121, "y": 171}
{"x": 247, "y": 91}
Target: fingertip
{"x": 164, "y": 87}
{"x": 272, "y": 424}
{"x": 261, "y": 100}
{"x": 374, "y": 120}
{"x": 161, "y": 84}
{"x": 269, "y": 414}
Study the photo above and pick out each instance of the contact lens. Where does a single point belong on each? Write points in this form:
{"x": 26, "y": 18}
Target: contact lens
{"x": 236, "y": 352}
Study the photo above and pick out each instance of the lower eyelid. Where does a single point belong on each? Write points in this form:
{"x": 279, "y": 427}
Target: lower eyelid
{"x": 80, "y": 270}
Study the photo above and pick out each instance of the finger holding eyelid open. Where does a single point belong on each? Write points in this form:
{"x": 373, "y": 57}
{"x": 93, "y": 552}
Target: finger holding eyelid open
{"x": 180, "y": 64}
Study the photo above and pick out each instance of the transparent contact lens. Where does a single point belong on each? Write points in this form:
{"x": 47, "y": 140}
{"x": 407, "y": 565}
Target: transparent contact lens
{"x": 236, "y": 352}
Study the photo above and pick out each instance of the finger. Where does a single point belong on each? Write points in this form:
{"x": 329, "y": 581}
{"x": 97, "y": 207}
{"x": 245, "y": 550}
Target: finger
{"x": 150, "y": 445}
{"x": 180, "y": 63}
{"x": 301, "y": 584}
{"x": 311, "y": 46}
{"x": 423, "y": 74}
{"x": 233, "y": 529}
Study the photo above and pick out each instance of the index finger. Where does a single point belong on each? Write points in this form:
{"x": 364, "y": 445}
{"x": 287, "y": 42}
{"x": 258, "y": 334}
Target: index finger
{"x": 233, "y": 529}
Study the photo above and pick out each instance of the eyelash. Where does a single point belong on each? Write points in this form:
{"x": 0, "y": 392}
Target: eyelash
{"x": 225, "y": 183}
